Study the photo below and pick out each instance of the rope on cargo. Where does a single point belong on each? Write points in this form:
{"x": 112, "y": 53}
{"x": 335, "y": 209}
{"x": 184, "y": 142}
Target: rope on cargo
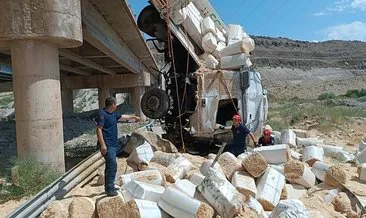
{"x": 187, "y": 69}
{"x": 219, "y": 75}
{"x": 171, "y": 53}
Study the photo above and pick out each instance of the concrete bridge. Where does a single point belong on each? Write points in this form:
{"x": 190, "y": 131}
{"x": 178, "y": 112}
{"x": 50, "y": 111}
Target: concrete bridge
{"x": 49, "y": 48}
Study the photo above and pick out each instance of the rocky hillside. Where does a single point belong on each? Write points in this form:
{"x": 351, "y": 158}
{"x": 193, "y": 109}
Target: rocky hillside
{"x": 292, "y": 68}
{"x": 283, "y": 52}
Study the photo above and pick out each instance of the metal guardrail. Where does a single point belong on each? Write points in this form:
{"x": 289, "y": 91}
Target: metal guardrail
{"x": 58, "y": 189}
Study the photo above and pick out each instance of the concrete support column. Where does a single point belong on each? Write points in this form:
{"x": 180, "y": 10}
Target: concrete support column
{"x": 103, "y": 93}
{"x": 136, "y": 94}
{"x": 36, "y": 81}
{"x": 34, "y": 30}
{"x": 67, "y": 98}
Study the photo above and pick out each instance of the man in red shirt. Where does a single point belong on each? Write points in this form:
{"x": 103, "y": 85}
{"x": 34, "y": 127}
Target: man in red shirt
{"x": 266, "y": 139}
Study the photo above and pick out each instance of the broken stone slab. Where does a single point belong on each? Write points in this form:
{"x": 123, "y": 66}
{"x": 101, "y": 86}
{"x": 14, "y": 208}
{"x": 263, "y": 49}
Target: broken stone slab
{"x": 308, "y": 141}
{"x": 165, "y": 159}
{"x": 269, "y": 188}
{"x": 331, "y": 150}
{"x": 361, "y": 157}
{"x": 335, "y": 176}
{"x": 195, "y": 160}
{"x": 138, "y": 208}
{"x": 158, "y": 130}
{"x": 221, "y": 195}
{"x": 142, "y": 190}
{"x": 155, "y": 166}
{"x": 141, "y": 154}
{"x": 342, "y": 204}
{"x": 299, "y": 173}
{"x": 185, "y": 186}
{"x": 229, "y": 164}
{"x": 100, "y": 180}
{"x": 301, "y": 133}
{"x": 82, "y": 207}
{"x": 179, "y": 205}
{"x": 288, "y": 137}
{"x": 197, "y": 178}
{"x": 289, "y": 209}
{"x": 109, "y": 207}
{"x": 361, "y": 171}
{"x": 277, "y": 137}
{"x": 206, "y": 165}
{"x": 337, "y": 152}
{"x": 55, "y": 209}
{"x": 319, "y": 169}
{"x": 311, "y": 154}
{"x": 139, "y": 136}
{"x": 178, "y": 169}
{"x": 295, "y": 191}
{"x": 295, "y": 155}
{"x": 276, "y": 154}
{"x": 253, "y": 204}
{"x": 244, "y": 183}
{"x": 211, "y": 156}
{"x": 148, "y": 176}
{"x": 255, "y": 164}
{"x": 362, "y": 145}
{"x": 283, "y": 193}
{"x": 193, "y": 170}
{"x": 267, "y": 126}
{"x": 280, "y": 168}
{"x": 241, "y": 157}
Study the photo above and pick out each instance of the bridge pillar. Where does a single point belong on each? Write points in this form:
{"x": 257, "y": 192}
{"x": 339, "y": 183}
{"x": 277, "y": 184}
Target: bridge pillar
{"x": 103, "y": 93}
{"x": 34, "y": 30}
{"x": 67, "y": 98}
{"x": 136, "y": 94}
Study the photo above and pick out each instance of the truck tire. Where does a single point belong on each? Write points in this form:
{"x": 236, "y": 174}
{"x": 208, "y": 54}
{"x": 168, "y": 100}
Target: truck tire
{"x": 155, "y": 103}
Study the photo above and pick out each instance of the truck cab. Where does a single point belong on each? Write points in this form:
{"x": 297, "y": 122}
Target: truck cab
{"x": 194, "y": 97}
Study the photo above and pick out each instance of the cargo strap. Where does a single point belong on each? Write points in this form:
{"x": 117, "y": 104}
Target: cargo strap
{"x": 219, "y": 75}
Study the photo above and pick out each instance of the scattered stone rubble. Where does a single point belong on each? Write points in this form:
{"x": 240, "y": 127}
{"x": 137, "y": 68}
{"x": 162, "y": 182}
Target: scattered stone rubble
{"x": 251, "y": 185}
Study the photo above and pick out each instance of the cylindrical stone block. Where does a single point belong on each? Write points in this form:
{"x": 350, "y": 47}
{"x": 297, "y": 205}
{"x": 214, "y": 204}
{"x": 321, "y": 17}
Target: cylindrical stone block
{"x": 57, "y": 21}
{"x": 37, "y": 94}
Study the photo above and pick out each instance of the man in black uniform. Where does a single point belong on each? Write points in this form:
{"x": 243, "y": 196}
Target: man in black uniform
{"x": 240, "y": 132}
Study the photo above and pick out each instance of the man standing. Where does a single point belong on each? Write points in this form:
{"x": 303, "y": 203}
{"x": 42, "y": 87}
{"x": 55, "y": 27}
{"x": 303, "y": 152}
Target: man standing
{"x": 240, "y": 132}
{"x": 108, "y": 140}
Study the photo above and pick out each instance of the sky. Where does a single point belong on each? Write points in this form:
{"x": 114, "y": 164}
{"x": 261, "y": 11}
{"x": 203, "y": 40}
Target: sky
{"x": 310, "y": 20}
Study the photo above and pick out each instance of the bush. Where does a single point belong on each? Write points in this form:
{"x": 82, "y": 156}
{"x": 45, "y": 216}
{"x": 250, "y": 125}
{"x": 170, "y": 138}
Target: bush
{"x": 362, "y": 99}
{"x": 33, "y": 177}
{"x": 326, "y": 96}
{"x": 5, "y": 100}
{"x": 354, "y": 93}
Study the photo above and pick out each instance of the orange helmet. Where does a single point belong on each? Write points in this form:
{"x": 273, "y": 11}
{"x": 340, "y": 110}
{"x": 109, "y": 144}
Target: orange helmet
{"x": 237, "y": 117}
{"x": 267, "y": 132}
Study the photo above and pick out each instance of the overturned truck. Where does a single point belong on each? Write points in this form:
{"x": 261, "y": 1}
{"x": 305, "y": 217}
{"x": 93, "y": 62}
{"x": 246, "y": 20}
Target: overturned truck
{"x": 207, "y": 77}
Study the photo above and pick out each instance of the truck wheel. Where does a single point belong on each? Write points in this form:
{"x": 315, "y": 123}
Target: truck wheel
{"x": 155, "y": 103}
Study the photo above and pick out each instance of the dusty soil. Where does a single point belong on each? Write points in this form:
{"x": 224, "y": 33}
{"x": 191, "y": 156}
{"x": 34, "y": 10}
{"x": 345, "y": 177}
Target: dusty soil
{"x": 9, "y": 206}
